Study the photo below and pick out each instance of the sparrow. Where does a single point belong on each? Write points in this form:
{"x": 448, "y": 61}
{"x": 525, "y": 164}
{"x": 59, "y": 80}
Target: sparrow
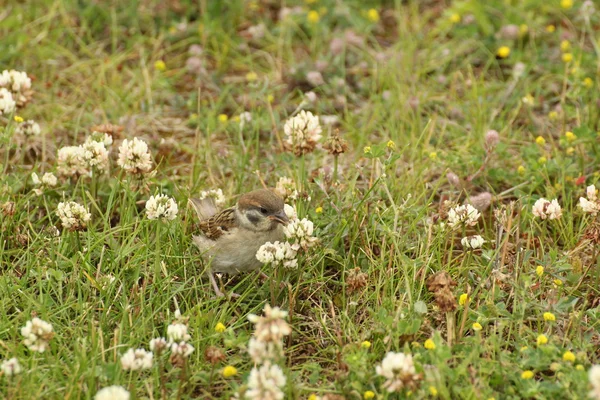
{"x": 229, "y": 239}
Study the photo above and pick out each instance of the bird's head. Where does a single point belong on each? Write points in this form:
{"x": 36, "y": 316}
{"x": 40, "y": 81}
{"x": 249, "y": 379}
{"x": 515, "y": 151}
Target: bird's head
{"x": 261, "y": 210}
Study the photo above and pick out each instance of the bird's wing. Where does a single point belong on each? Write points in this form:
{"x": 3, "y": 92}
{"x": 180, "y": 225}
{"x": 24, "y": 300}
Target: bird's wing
{"x": 205, "y": 208}
{"x": 219, "y": 224}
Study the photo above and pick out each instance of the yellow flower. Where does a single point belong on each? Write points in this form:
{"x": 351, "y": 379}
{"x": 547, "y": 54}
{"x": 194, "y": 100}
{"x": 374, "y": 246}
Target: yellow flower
{"x": 229, "y": 371}
{"x": 523, "y": 29}
{"x": 455, "y": 18}
{"x": 313, "y": 17}
{"x": 542, "y": 160}
{"x": 172, "y": 30}
{"x": 565, "y": 45}
{"x": 462, "y": 300}
{"x": 429, "y": 344}
{"x": 319, "y": 210}
{"x": 270, "y": 98}
{"x": 527, "y": 374}
{"x": 570, "y": 136}
{"x": 558, "y": 186}
{"x": 524, "y": 348}
{"x": 566, "y": 4}
{"x": 373, "y": 15}
{"x": 540, "y": 140}
{"x": 313, "y": 397}
{"x": 390, "y": 144}
{"x": 433, "y": 391}
{"x": 433, "y": 155}
{"x": 521, "y": 170}
{"x": 160, "y": 65}
{"x": 528, "y": 100}
{"x": 251, "y": 76}
{"x": 548, "y": 316}
{"x": 542, "y": 339}
{"x": 18, "y": 119}
{"x": 223, "y": 118}
{"x": 416, "y": 345}
{"x": 550, "y": 28}
{"x": 368, "y": 395}
{"x": 567, "y": 57}
{"x": 365, "y": 344}
{"x": 220, "y": 328}
{"x": 588, "y": 82}
{"x": 579, "y": 367}
{"x": 553, "y": 115}
{"x": 477, "y": 326}
{"x": 539, "y": 270}
{"x": 569, "y": 356}
{"x": 503, "y": 52}
{"x": 558, "y": 282}
{"x": 367, "y": 150}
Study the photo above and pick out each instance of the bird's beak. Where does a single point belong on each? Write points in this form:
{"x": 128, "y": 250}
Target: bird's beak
{"x": 280, "y": 217}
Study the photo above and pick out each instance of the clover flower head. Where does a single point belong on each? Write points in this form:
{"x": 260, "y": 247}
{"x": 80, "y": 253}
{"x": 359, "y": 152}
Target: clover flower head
{"x": 136, "y": 359}
{"x": 463, "y": 215}
{"x": 73, "y": 215}
{"x": 302, "y": 132}
{"x": 399, "y": 371}
{"x": 278, "y": 253}
{"x": 266, "y": 383}
{"x": 134, "y": 156}
{"x": 37, "y": 334}
{"x": 161, "y": 207}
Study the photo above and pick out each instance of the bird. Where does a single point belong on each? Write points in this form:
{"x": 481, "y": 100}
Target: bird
{"x": 229, "y": 239}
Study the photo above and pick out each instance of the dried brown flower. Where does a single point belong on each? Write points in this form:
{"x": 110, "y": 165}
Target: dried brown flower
{"x": 9, "y": 209}
{"x": 213, "y": 355}
{"x": 441, "y": 285}
{"x": 113, "y": 130}
{"x": 356, "y": 280}
{"x": 335, "y": 144}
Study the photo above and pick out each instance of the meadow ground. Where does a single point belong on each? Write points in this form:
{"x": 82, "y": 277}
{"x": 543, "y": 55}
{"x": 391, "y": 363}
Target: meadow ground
{"x": 437, "y": 131}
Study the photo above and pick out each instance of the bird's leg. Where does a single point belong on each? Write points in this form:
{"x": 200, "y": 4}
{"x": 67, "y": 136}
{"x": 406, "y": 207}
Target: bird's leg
{"x": 215, "y": 286}
{"x": 213, "y": 282}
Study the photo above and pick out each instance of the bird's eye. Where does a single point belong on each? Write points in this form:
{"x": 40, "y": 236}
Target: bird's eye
{"x": 263, "y": 211}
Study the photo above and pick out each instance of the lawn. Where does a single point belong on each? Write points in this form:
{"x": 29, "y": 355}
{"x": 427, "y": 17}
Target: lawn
{"x": 439, "y": 160}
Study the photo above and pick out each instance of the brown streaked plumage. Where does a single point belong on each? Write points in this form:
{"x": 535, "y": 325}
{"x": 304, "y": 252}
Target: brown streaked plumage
{"x": 231, "y": 238}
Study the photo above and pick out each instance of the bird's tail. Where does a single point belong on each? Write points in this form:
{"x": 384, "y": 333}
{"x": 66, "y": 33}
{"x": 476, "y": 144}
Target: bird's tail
{"x": 205, "y": 208}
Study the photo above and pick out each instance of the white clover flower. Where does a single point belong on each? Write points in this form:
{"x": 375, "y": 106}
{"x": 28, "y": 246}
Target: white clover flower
{"x": 302, "y": 132}
{"x": 182, "y": 349}
{"x": 329, "y": 119}
{"x": 161, "y": 207}
{"x": 177, "y": 333}
{"x": 49, "y": 179}
{"x": 590, "y": 207}
{"x": 37, "y": 334}
{"x": 290, "y": 212}
{"x": 101, "y": 137}
{"x": 272, "y": 327}
{"x": 72, "y": 215}
{"x": 278, "y": 253}
{"x": 7, "y": 103}
{"x": 136, "y": 359}
{"x": 112, "y": 393}
{"x": 245, "y": 117}
{"x": 70, "y": 161}
{"x": 594, "y": 378}
{"x": 28, "y": 128}
{"x": 134, "y": 156}
{"x": 286, "y": 188}
{"x": 157, "y": 345}
{"x": 398, "y": 370}
{"x": 266, "y": 383}
{"x": 216, "y": 194}
{"x": 592, "y": 193}
{"x": 35, "y": 179}
{"x": 472, "y": 242}
{"x": 95, "y": 155}
{"x": 11, "y": 367}
{"x": 15, "y": 81}
{"x": 300, "y": 232}
{"x": 463, "y": 215}
{"x": 547, "y": 209}
{"x": 263, "y": 352}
